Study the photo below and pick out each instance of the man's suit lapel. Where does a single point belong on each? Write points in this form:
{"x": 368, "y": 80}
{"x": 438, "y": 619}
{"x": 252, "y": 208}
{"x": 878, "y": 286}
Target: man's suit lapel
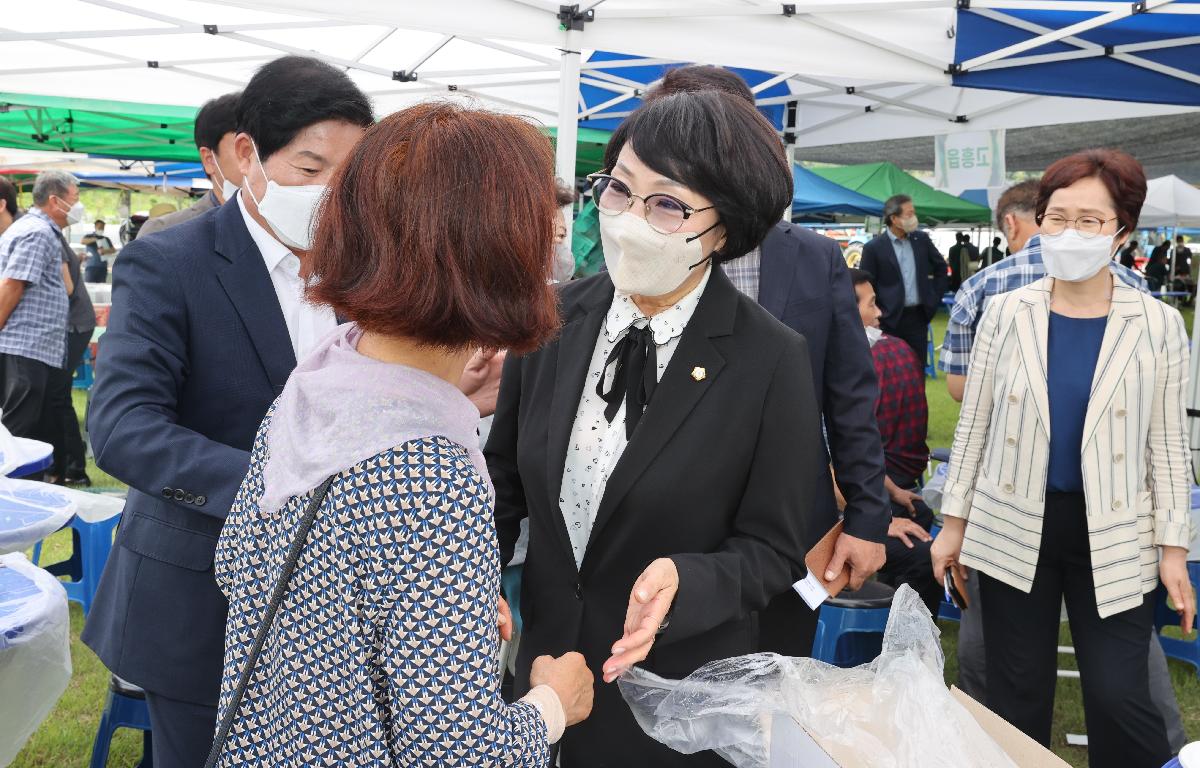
{"x": 774, "y": 273}
{"x": 248, "y": 285}
{"x": 675, "y": 396}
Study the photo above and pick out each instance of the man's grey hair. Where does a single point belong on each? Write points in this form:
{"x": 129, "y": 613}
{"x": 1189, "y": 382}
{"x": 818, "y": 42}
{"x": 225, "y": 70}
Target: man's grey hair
{"x": 1020, "y": 200}
{"x": 893, "y": 206}
{"x": 48, "y": 183}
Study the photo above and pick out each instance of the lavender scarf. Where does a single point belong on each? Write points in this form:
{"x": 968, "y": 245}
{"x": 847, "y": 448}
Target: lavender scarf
{"x": 340, "y": 407}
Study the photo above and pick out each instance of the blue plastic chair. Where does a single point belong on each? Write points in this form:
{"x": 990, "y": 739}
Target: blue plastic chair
{"x": 850, "y": 626}
{"x": 126, "y": 708}
{"x": 85, "y": 373}
{"x": 510, "y": 585}
{"x": 931, "y": 366}
{"x": 1164, "y": 616}
{"x": 91, "y": 543}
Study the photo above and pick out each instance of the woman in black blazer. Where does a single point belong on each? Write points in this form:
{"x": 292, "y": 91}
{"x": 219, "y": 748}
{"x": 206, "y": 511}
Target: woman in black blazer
{"x": 666, "y": 447}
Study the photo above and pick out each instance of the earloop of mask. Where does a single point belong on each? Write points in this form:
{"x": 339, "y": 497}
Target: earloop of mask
{"x": 697, "y": 236}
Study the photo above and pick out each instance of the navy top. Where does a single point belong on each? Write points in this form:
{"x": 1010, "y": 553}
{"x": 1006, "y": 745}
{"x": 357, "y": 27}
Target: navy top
{"x": 1074, "y": 348}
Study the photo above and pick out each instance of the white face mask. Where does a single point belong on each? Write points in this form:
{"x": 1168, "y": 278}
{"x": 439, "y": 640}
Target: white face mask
{"x": 291, "y": 211}
{"x": 1072, "y": 257}
{"x": 643, "y": 261}
{"x": 910, "y": 224}
{"x": 76, "y": 213}
{"x": 873, "y": 334}
{"x": 228, "y": 188}
{"x": 563, "y": 267}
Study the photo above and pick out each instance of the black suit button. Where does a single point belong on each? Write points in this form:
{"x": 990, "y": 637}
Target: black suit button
{"x": 578, "y": 590}
{"x": 201, "y": 501}
{"x": 167, "y": 492}
{"x": 189, "y": 499}
{"x": 178, "y": 495}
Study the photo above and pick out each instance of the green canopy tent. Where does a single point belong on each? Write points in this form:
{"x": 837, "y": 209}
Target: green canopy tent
{"x": 130, "y": 130}
{"x": 97, "y": 127}
{"x": 882, "y": 180}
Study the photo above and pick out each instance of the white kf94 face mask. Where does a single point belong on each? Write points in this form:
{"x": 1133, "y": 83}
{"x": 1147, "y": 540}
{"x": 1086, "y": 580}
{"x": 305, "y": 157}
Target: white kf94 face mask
{"x": 290, "y": 211}
{"x": 644, "y": 261}
{"x": 1072, "y": 257}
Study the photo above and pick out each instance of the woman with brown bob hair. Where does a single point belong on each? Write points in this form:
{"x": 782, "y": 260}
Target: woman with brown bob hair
{"x": 435, "y": 239}
{"x": 1069, "y": 475}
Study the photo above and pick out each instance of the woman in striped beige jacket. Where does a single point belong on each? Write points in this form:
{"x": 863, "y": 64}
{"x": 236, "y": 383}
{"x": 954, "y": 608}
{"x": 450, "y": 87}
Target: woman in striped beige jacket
{"x": 1069, "y": 477}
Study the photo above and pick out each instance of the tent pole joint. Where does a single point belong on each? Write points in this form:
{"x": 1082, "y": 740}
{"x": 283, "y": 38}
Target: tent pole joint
{"x": 963, "y": 5}
{"x": 789, "y": 9}
{"x": 404, "y": 76}
{"x": 1138, "y": 7}
{"x": 954, "y": 69}
{"x": 152, "y": 64}
{"x": 570, "y": 18}
{"x": 961, "y": 119}
{"x": 211, "y": 29}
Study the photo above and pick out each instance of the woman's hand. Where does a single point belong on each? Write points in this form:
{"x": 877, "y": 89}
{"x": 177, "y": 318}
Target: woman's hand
{"x": 946, "y": 549}
{"x": 901, "y": 528}
{"x": 505, "y": 620}
{"x": 649, "y": 601}
{"x": 571, "y": 680}
{"x": 480, "y": 380}
{"x": 1172, "y": 569}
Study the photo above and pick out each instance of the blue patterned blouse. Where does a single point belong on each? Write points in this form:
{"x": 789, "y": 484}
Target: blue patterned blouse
{"x": 384, "y": 652}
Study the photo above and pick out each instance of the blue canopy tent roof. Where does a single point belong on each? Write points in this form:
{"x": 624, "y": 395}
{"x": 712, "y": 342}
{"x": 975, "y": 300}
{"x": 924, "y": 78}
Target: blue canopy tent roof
{"x": 1100, "y": 50}
{"x": 605, "y": 109}
{"x": 816, "y": 195}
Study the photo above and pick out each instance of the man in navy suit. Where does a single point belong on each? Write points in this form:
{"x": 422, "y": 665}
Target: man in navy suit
{"x": 801, "y": 278}
{"x": 207, "y": 323}
{"x": 909, "y": 274}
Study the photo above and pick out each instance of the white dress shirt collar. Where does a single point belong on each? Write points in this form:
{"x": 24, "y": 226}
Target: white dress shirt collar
{"x": 666, "y": 325}
{"x": 273, "y": 251}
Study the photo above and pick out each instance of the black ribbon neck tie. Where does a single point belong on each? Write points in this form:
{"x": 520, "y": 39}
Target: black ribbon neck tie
{"x": 634, "y": 378}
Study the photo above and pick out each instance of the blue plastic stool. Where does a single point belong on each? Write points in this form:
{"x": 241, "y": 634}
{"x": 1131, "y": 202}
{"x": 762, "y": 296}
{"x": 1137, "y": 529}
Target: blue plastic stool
{"x": 510, "y": 585}
{"x": 126, "y": 708}
{"x": 1184, "y": 650}
{"x": 85, "y": 374}
{"x": 91, "y": 543}
{"x": 850, "y": 626}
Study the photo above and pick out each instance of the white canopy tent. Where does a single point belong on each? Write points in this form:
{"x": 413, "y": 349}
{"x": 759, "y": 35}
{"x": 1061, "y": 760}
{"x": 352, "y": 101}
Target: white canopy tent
{"x": 858, "y": 70}
{"x": 1170, "y": 202}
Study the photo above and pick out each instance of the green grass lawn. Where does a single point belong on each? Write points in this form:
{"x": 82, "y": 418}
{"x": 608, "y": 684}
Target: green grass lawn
{"x": 65, "y": 739}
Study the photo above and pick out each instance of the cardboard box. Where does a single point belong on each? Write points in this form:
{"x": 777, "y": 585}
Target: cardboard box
{"x": 793, "y": 747}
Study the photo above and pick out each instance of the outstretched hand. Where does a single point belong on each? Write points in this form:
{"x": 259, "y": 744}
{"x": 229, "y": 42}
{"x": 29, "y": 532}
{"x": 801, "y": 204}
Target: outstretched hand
{"x": 649, "y": 601}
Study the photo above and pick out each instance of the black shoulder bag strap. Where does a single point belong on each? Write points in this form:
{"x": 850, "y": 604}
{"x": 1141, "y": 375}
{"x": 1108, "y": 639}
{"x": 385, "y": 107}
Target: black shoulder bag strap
{"x": 277, "y": 595}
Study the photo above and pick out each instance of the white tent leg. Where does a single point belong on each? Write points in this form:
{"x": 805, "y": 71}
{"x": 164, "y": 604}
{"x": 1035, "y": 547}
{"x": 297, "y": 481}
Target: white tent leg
{"x": 568, "y": 124}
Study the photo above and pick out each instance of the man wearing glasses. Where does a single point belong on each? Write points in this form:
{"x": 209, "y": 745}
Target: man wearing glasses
{"x": 1015, "y": 218}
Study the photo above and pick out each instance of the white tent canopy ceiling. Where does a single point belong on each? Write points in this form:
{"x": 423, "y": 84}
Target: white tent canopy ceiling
{"x": 860, "y": 70}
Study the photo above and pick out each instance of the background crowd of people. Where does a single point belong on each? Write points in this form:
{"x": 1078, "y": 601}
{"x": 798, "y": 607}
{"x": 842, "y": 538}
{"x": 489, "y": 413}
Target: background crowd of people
{"x": 295, "y": 369}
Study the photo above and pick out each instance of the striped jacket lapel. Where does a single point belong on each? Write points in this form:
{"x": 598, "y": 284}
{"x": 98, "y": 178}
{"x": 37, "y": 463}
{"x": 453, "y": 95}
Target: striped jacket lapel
{"x": 1121, "y": 335}
{"x": 1033, "y": 323}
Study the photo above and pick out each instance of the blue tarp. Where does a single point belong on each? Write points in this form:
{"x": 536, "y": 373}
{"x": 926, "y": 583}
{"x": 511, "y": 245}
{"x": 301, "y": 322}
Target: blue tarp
{"x": 814, "y": 194}
{"x": 1099, "y": 76}
{"x": 593, "y": 96}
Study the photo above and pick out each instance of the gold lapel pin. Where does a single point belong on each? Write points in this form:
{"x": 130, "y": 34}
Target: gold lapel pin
{"x": 698, "y": 373}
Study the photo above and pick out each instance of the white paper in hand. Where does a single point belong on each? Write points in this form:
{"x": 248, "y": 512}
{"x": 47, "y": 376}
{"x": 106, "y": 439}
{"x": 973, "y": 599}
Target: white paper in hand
{"x": 811, "y": 590}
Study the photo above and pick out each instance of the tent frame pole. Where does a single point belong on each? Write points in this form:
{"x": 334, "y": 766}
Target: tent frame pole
{"x": 568, "y": 120}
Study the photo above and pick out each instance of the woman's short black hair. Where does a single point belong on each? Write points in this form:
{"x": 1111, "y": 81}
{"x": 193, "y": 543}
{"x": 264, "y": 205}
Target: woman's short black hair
{"x": 720, "y": 146}
{"x": 215, "y": 119}
{"x": 293, "y": 92}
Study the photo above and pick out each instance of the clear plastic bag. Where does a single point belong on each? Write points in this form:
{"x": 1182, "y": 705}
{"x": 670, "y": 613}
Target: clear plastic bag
{"x": 35, "y": 650}
{"x": 894, "y": 712}
{"x": 932, "y": 492}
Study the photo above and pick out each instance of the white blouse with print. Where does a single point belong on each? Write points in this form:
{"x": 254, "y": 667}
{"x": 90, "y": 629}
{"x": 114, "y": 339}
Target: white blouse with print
{"x": 596, "y": 446}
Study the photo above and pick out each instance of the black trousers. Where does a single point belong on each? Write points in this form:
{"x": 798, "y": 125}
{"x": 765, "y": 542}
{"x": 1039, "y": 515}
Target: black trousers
{"x": 1124, "y": 728}
{"x": 23, "y": 385}
{"x": 913, "y": 567}
{"x": 62, "y": 423}
{"x": 913, "y": 327}
{"x": 183, "y": 732}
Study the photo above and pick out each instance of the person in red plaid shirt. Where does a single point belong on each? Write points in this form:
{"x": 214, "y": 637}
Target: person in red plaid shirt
{"x": 903, "y": 417}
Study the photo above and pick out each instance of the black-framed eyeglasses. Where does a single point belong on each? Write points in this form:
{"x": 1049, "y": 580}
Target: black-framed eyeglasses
{"x": 665, "y": 214}
{"x": 1086, "y": 226}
